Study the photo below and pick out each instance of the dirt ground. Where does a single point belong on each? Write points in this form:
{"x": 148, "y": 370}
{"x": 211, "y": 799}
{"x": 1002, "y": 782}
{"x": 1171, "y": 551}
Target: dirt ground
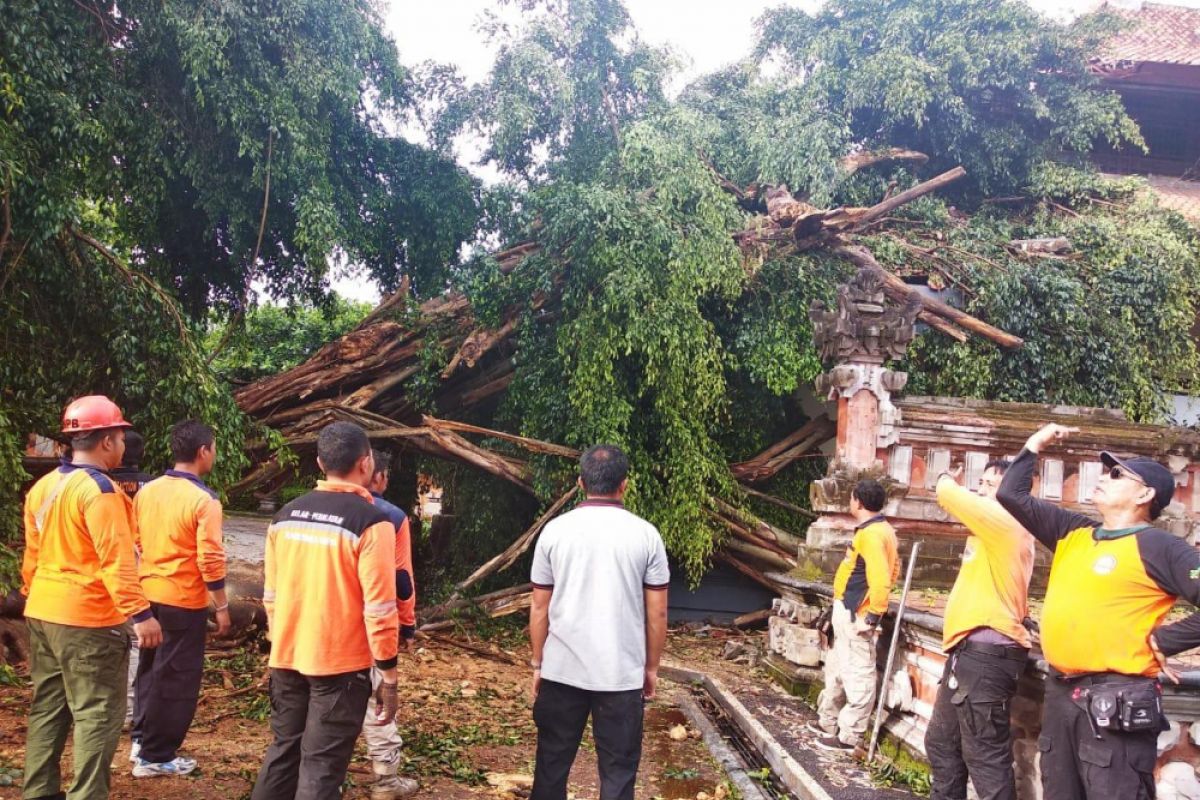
{"x": 465, "y": 718}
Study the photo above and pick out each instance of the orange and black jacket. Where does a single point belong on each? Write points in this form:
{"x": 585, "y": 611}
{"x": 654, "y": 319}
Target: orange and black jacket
{"x": 78, "y": 567}
{"x": 179, "y": 536}
{"x": 330, "y": 583}
{"x": 1108, "y": 590}
{"x": 865, "y": 577}
{"x": 406, "y": 588}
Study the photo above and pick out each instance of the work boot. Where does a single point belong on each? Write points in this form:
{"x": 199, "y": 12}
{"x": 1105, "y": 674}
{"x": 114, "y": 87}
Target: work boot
{"x": 390, "y": 786}
{"x": 834, "y": 744}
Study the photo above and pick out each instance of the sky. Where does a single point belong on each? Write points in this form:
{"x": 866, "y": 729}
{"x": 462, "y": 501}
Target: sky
{"x": 705, "y": 34}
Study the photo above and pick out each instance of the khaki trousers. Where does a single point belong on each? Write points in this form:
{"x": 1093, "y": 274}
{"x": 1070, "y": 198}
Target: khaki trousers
{"x": 383, "y": 741}
{"x": 845, "y": 703}
{"x": 79, "y": 679}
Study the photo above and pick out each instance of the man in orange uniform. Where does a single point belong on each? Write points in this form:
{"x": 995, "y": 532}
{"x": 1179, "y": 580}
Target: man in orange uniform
{"x": 384, "y": 741}
{"x": 986, "y": 643}
{"x": 78, "y": 573}
{"x": 1111, "y": 584}
{"x": 330, "y": 595}
{"x": 861, "y": 587}
{"x": 183, "y": 564}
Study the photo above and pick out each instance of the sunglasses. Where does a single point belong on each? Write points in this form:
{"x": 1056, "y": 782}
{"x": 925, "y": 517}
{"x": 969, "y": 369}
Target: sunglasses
{"x": 1116, "y": 473}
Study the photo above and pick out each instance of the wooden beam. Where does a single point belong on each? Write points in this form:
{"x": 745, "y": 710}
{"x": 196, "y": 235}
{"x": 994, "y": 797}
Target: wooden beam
{"x": 898, "y": 289}
{"x": 767, "y": 498}
{"x": 533, "y": 445}
{"x": 882, "y": 209}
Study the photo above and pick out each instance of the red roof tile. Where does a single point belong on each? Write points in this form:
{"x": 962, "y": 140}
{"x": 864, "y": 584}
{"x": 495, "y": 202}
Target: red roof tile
{"x": 1159, "y": 33}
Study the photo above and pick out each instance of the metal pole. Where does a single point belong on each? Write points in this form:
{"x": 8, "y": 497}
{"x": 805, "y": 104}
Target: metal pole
{"x": 887, "y": 670}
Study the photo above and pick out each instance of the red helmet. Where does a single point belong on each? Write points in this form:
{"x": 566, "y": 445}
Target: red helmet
{"x": 92, "y": 413}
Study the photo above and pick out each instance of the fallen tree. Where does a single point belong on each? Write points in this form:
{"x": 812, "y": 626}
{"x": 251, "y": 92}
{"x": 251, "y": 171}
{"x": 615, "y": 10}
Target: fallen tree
{"x": 366, "y": 376}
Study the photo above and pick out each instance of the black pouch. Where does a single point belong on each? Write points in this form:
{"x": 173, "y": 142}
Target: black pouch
{"x": 823, "y": 624}
{"x": 1141, "y": 708}
{"x": 1103, "y": 706}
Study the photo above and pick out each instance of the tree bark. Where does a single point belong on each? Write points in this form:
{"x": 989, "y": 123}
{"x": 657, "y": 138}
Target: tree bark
{"x": 907, "y": 196}
{"x": 770, "y": 461}
{"x": 514, "y": 551}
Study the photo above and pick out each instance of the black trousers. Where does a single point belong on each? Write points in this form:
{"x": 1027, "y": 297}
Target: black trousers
{"x": 969, "y": 732}
{"x": 561, "y": 713}
{"x": 1078, "y": 766}
{"x": 168, "y": 682}
{"x": 315, "y": 721}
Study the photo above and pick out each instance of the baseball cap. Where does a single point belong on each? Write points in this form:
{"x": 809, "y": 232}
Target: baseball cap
{"x": 1152, "y": 473}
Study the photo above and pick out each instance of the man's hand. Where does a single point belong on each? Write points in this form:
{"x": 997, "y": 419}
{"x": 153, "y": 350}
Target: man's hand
{"x": 223, "y": 622}
{"x": 406, "y": 645}
{"x": 862, "y": 627}
{"x": 149, "y": 633}
{"x": 535, "y": 685}
{"x": 650, "y": 684}
{"x": 954, "y": 474}
{"x": 387, "y": 701}
{"x": 1048, "y": 434}
{"x": 1171, "y": 674}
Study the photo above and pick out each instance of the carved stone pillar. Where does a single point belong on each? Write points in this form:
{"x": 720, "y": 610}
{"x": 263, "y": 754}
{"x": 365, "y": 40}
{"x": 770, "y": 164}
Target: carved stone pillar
{"x": 860, "y": 336}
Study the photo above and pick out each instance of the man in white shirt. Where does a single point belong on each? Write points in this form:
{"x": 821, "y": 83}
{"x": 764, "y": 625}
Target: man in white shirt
{"x": 598, "y": 625}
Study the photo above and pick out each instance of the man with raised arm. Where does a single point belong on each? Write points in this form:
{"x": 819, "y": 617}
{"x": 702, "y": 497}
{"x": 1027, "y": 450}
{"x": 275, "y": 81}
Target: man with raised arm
{"x": 986, "y": 644}
{"x": 1111, "y": 584}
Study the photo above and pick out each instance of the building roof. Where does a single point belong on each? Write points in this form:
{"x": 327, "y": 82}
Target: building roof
{"x": 1158, "y": 33}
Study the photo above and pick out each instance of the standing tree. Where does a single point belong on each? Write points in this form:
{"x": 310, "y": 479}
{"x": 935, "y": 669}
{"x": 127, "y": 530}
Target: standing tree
{"x": 157, "y": 158}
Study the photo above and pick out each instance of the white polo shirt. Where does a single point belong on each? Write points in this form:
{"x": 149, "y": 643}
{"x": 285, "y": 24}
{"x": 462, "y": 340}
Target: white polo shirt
{"x": 598, "y": 559}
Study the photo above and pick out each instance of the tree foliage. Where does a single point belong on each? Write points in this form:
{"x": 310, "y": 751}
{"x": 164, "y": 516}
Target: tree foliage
{"x": 986, "y": 85}
{"x": 276, "y": 338}
{"x": 561, "y": 90}
{"x": 693, "y": 354}
{"x": 156, "y": 158}
{"x": 1110, "y": 326}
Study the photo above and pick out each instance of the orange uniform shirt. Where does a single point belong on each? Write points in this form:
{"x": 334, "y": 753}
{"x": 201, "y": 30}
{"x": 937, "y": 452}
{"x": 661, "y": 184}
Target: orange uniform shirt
{"x": 179, "y": 534}
{"x": 1108, "y": 589}
{"x": 992, "y": 588}
{"x": 866, "y": 575}
{"x": 330, "y": 583}
{"x": 406, "y": 586}
{"x": 78, "y": 568}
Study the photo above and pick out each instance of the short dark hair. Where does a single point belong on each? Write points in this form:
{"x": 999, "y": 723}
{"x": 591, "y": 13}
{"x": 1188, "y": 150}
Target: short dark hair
{"x": 135, "y": 449}
{"x": 871, "y": 494}
{"x": 188, "y": 437}
{"x": 340, "y": 445}
{"x": 602, "y": 468}
{"x": 1001, "y": 465}
{"x": 86, "y": 442}
{"x": 383, "y": 461}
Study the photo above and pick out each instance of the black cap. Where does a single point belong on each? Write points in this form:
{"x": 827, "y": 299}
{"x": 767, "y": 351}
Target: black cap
{"x": 1152, "y": 473}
